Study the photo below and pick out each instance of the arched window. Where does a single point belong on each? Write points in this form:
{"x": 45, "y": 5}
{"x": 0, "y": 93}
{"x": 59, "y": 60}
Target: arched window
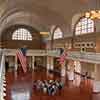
{"x": 85, "y": 25}
{"x": 21, "y": 34}
{"x": 58, "y": 33}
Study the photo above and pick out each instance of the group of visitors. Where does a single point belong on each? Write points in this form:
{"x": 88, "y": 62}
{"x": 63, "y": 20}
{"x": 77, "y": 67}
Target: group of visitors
{"x": 51, "y": 87}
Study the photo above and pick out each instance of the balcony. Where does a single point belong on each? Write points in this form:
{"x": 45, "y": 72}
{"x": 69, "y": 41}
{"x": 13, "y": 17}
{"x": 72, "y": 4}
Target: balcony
{"x": 54, "y": 53}
{"x": 90, "y": 57}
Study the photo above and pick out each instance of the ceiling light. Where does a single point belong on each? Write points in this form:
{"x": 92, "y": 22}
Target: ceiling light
{"x": 44, "y": 33}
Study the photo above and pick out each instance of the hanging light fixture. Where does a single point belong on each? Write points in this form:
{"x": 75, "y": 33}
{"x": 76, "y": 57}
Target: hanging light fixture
{"x": 93, "y": 14}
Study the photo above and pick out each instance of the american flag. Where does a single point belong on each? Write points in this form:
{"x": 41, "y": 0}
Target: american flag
{"x": 62, "y": 58}
{"x": 22, "y": 58}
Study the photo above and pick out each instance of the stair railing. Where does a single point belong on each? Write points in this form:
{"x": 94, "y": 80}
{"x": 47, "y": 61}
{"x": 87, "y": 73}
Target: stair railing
{"x": 2, "y": 75}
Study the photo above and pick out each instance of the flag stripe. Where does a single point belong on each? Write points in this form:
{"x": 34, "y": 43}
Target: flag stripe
{"x": 22, "y": 60}
{"x": 62, "y": 58}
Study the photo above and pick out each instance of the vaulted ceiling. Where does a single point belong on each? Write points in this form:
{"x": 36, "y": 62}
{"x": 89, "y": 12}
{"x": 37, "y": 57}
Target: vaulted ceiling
{"x": 42, "y": 14}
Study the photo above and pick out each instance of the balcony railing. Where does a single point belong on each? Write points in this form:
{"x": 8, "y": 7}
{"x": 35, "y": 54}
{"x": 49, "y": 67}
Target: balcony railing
{"x": 84, "y": 56}
{"x": 74, "y": 55}
{"x": 55, "y": 53}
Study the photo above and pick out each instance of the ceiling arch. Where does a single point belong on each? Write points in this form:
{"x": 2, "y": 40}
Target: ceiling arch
{"x": 48, "y": 12}
{"x": 24, "y": 18}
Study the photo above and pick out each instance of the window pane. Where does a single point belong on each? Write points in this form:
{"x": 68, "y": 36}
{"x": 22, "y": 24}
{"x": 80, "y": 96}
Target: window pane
{"x": 21, "y": 34}
{"x": 85, "y": 25}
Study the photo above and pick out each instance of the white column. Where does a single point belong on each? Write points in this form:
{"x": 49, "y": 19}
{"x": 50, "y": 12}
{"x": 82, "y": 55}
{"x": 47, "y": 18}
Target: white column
{"x": 16, "y": 64}
{"x": 70, "y": 72}
{"x": 63, "y": 70}
{"x": 50, "y": 63}
{"x": 96, "y": 82}
{"x": 33, "y": 59}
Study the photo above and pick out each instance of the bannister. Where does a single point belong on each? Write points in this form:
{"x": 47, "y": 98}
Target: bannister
{"x": 2, "y": 75}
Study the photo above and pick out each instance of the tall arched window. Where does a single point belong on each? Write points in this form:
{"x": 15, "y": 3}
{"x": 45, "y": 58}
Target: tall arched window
{"x": 58, "y": 33}
{"x": 85, "y": 25}
{"x": 21, "y": 34}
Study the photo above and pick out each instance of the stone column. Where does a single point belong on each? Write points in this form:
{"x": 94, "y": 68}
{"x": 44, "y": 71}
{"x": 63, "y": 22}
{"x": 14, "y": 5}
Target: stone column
{"x": 96, "y": 82}
{"x": 33, "y": 59}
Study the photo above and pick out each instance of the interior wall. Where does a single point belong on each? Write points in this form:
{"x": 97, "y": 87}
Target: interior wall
{"x": 7, "y": 42}
{"x": 97, "y": 25}
{"x": 40, "y": 61}
{"x": 82, "y": 41}
{"x": 62, "y": 43}
{"x": 29, "y": 61}
{"x": 87, "y": 67}
{"x": 12, "y": 44}
{"x": 98, "y": 42}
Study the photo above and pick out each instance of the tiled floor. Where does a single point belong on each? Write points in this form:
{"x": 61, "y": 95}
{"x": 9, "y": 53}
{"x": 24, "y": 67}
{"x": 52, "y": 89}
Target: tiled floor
{"x": 19, "y": 87}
